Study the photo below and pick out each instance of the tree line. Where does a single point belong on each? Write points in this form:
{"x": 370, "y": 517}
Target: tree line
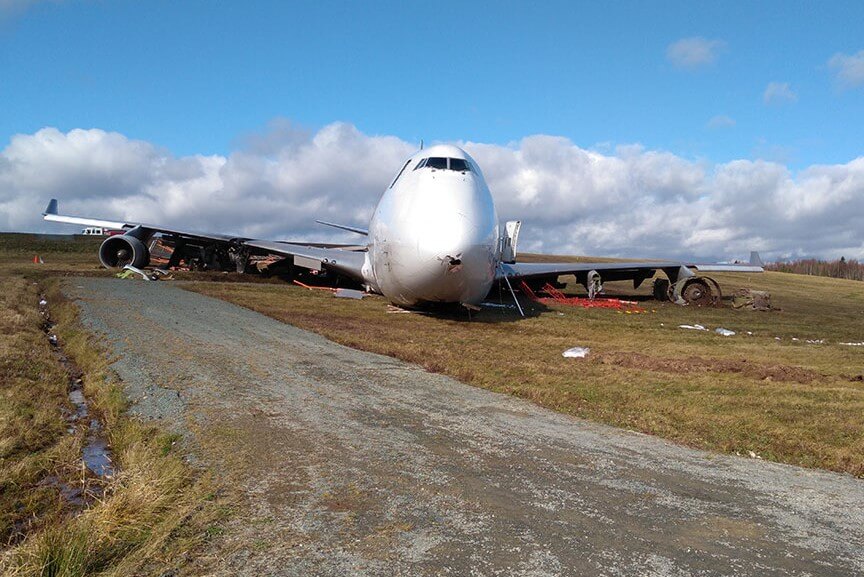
{"x": 849, "y": 269}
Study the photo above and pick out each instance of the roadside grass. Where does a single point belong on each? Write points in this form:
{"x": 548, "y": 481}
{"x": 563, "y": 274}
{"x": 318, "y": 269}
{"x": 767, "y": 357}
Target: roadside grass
{"x": 783, "y": 400}
{"x": 33, "y": 443}
{"x": 151, "y": 516}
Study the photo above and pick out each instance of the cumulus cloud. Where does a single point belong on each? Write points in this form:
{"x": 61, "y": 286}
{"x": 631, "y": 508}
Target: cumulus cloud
{"x": 848, "y": 68}
{"x": 693, "y": 53}
{"x": 778, "y": 93}
{"x": 721, "y": 121}
{"x": 627, "y": 201}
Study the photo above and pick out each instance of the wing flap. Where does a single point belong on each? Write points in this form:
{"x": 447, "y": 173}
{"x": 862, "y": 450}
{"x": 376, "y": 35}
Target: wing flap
{"x": 347, "y": 262}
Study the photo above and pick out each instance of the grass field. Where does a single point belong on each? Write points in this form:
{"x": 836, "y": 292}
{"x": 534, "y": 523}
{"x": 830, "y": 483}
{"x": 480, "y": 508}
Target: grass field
{"x": 767, "y": 393}
{"x": 150, "y": 513}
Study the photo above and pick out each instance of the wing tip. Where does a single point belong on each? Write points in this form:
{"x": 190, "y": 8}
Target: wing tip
{"x": 51, "y": 208}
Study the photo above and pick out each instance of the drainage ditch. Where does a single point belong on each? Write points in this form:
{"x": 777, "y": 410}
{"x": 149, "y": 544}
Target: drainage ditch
{"x": 97, "y": 465}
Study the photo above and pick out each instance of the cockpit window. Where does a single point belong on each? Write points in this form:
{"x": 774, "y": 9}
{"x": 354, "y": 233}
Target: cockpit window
{"x": 434, "y": 162}
{"x": 459, "y": 164}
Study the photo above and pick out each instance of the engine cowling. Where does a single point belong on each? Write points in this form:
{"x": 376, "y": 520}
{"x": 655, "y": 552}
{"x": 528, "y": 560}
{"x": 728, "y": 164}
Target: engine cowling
{"x": 118, "y": 251}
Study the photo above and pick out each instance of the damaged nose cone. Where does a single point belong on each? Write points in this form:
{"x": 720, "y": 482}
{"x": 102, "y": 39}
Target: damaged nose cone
{"x": 454, "y": 263}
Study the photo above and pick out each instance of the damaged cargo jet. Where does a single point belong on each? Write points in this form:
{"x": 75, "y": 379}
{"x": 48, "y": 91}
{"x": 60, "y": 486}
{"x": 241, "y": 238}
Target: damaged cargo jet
{"x": 434, "y": 238}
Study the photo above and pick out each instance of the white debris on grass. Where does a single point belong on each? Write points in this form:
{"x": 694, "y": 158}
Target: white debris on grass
{"x": 693, "y": 327}
{"x": 815, "y": 341}
{"x": 344, "y": 293}
{"x": 724, "y": 332}
{"x": 859, "y": 344}
{"x": 576, "y": 353}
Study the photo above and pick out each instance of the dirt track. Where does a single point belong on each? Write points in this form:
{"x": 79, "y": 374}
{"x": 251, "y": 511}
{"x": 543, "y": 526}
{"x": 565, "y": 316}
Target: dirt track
{"x": 358, "y": 464}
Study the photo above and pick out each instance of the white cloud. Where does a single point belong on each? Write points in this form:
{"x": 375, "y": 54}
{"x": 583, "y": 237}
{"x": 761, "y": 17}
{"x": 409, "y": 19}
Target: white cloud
{"x": 692, "y": 53}
{"x": 779, "y": 93}
{"x": 849, "y": 69}
{"x": 721, "y": 121}
{"x": 625, "y": 202}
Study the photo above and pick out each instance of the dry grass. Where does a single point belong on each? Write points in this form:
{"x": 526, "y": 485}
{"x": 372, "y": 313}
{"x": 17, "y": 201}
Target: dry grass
{"x": 784, "y": 400}
{"x": 152, "y": 513}
{"x": 33, "y": 444}
{"x": 644, "y": 373}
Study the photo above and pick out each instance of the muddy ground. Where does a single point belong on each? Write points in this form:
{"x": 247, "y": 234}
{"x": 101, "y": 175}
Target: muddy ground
{"x": 350, "y": 463}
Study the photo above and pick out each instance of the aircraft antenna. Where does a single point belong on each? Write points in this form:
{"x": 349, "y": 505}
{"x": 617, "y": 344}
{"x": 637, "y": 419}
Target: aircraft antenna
{"x": 421, "y": 144}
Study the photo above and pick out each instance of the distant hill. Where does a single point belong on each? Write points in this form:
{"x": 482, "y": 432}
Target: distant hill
{"x": 29, "y": 244}
{"x": 848, "y": 269}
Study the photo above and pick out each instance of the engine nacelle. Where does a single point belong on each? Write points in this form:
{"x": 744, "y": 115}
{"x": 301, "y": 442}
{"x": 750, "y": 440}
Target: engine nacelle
{"x": 120, "y": 250}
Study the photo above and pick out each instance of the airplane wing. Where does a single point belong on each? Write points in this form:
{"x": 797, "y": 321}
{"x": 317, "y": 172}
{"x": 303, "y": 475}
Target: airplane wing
{"x": 590, "y": 274}
{"x": 616, "y": 270}
{"x": 341, "y": 260}
{"x": 51, "y": 214}
{"x": 347, "y": 260}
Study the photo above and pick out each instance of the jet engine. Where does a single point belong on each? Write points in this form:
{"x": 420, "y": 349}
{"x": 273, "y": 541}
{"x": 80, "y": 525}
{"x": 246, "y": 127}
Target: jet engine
{"x": 118, "y": 251}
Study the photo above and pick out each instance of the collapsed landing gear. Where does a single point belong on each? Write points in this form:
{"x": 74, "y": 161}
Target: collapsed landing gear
{"x": 700, "y": 291}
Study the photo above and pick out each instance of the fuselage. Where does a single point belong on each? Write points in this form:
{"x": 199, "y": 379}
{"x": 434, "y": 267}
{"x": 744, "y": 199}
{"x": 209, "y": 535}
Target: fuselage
{"x": 434, "y": 234}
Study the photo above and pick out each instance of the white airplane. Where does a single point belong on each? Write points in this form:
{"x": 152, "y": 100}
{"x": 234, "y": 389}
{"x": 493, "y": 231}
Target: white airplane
{"x": 434, "y": 238}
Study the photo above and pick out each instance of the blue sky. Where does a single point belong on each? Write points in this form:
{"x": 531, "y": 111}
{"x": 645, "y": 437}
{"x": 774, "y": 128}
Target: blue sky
{"x": 197, "y": 76}
{"x": 667, "y": 129}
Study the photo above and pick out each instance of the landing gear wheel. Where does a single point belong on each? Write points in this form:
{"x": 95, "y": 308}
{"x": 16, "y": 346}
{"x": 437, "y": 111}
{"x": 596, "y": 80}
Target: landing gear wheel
{"x": 699, "y": 291}
{"x": 662, "y": 289}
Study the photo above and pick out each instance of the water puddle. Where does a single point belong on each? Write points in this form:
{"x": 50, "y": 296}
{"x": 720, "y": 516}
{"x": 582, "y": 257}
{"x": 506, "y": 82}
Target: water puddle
{"x": 96, "y": 454}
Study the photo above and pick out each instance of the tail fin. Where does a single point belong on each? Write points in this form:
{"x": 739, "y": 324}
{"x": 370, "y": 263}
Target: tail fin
{"x": 51, "y": 208}
{"x": 755, "y": 259}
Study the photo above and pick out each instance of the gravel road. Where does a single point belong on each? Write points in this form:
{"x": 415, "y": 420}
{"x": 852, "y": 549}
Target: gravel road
{"x": 357, "y": 464}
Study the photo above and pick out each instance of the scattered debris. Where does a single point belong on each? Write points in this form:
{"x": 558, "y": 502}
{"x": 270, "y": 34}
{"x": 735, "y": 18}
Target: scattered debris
{"x": 344, "y": 293}
{"x": 724, "y": 332}
{"x": 576, "y": 353}
{"x": 38, "y": 260}
{"x": 337, "y": 292}
{"x": 693, "y": 327}
{"x": 497, "y": 305}
{"x": 558, "y": 297}
{"x": 130, "y": 271}
{"x": 753, "y": 300}
{"x": 859, "y": 344}
{"x": 397, "y": 310}
{"x": 815, "y": 341}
